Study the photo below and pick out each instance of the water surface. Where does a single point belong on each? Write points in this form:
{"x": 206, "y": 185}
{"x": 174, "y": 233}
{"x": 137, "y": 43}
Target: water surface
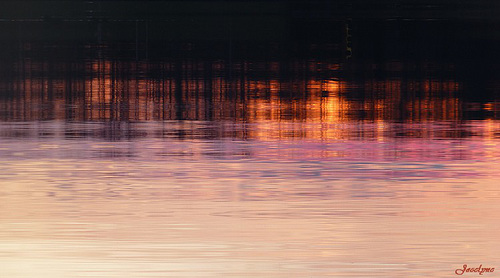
{"x": 310, "y": 157}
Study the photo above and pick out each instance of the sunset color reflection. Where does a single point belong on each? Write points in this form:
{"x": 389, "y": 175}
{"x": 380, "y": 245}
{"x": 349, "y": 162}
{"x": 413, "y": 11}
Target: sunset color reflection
{"x": 248, "y": 139}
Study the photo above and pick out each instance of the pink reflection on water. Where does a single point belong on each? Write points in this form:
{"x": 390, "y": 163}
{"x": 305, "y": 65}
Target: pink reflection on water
{"x": 368, "y": 200}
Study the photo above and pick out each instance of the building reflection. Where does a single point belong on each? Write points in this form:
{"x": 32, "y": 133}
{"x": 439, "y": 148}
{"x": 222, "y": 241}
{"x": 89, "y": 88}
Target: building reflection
{"x": 276, "y": 98}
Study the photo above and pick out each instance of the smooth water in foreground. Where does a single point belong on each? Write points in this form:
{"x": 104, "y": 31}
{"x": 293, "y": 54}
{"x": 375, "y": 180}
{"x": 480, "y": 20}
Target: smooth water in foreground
{"x": 260, "y": 207}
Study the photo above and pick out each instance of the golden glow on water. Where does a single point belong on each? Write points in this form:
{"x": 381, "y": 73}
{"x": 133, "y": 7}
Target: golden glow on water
{"x": 109, "y": 92}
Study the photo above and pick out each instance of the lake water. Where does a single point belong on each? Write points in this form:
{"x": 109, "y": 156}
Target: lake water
{"x": 376, "y": 157}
